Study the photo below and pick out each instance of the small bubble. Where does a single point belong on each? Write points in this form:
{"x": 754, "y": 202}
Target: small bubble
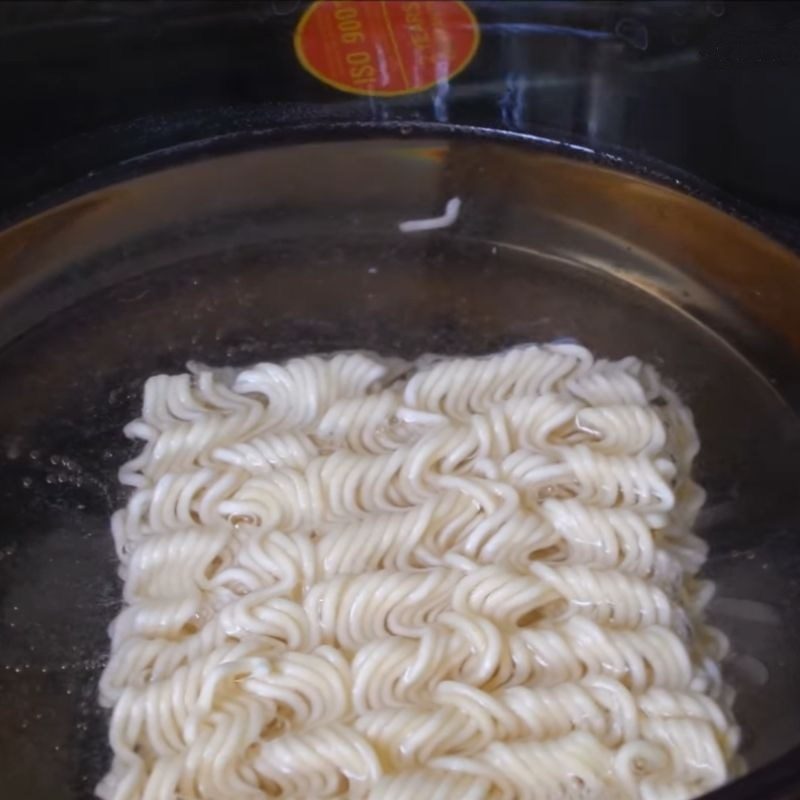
{"x": 27, "y": 482}
{"x": 716, "y": 8}
{"x": 55, "y": 459}
{"x": 50, "y": 479}
{"x": 34, "y": 455}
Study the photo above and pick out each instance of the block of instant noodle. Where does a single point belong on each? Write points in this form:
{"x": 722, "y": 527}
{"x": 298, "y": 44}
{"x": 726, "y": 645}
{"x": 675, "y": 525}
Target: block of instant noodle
{"x": 476, "y": 580}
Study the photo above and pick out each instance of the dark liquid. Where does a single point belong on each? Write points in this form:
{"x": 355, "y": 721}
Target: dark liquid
{"x": 69, "y": 385}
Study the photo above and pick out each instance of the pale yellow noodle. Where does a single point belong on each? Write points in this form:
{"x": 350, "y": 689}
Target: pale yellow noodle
{"x": 477, "y": 580}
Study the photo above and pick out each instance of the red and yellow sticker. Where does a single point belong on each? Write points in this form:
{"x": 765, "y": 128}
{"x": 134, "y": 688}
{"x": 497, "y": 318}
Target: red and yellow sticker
{"x": 386, "y": 47}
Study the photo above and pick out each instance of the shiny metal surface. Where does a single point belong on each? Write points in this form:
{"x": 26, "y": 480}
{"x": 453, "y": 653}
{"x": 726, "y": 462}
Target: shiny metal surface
{"x": 276, "y": 251}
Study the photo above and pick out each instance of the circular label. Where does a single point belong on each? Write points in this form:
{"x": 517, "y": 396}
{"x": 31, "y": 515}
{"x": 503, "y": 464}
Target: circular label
{"x": 386, "y": 48}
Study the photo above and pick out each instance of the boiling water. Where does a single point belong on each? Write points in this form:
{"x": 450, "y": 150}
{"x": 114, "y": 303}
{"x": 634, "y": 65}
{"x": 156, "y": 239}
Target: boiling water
{"x": 70, "y": 383}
